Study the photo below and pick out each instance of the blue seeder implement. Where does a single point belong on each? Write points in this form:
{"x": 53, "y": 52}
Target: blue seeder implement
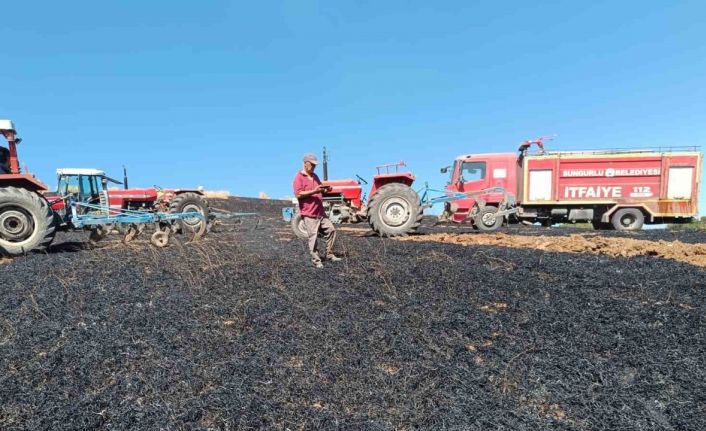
{"x": 102, "y": 216}
{"x": 101, "y": 219}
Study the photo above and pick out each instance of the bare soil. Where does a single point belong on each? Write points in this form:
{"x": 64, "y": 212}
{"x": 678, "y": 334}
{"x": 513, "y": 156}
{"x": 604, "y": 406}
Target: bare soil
{"x": 694, "y": 254}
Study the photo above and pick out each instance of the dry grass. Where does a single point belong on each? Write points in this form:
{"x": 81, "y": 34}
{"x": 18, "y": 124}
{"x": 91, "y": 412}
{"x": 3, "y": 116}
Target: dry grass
{"x": 217, "y": 194}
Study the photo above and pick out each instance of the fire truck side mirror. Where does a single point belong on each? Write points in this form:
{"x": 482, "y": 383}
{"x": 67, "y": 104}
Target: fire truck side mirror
{"x": 444, "y": 170}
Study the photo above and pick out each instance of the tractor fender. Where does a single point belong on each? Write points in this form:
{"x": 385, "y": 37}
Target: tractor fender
{"x": 23, "y": 181}
{"x": 180, "y": 191}
{"x": 168, "y": 194}
{"x": 406, "y": 178}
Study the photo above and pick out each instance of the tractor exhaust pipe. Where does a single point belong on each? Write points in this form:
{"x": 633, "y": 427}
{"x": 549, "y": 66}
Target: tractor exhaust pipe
{"x": 125, "y": 177}
{"x": 325, "y": 164}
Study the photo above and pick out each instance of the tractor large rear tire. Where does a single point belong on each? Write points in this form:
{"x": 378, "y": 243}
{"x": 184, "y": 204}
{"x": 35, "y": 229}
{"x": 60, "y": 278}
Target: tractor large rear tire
{"x": 26, "y": 222}
{"x": 188, "y": 202}
{"x": 395, "y": 210}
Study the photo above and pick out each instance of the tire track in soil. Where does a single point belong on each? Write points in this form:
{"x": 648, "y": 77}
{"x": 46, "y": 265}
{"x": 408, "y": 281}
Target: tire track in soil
{"x": 693, "y": 254}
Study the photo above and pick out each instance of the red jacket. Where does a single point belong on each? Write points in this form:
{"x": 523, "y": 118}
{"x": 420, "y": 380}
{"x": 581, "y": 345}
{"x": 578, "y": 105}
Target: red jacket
{"x": 310, "y": 206}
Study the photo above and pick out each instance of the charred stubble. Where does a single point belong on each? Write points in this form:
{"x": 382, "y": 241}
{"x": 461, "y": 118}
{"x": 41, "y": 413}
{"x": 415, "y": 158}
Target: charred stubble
{"x": 239, "y": 332}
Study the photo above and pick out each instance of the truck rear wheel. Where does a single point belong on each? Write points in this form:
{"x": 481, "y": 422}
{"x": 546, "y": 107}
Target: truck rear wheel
{"x": 190, "y": 202}
{"x": 26, "y": 222}
{"x": 395, "y": 210}
{"x": 486, "y": 221}
{"x": 628, "y": 219}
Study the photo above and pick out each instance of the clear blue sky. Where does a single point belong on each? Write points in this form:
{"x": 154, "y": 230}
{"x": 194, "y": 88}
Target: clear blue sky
{"x": 229, "y": 95}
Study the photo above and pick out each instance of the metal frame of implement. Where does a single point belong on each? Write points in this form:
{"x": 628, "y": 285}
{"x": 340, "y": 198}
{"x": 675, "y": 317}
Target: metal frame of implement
{"x": 506, "y": 207}
{"x": 102, "y": 218}
{"x": 109, "y": 216}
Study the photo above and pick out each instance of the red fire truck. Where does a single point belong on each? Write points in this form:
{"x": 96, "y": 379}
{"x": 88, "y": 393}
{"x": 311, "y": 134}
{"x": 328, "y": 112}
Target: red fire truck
{"x": 612, "y": 189}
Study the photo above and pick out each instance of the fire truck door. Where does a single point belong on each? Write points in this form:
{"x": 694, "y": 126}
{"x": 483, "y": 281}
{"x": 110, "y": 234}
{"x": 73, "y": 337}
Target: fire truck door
{"x": 680, "y": 181}
{"x": 540, "y": 185}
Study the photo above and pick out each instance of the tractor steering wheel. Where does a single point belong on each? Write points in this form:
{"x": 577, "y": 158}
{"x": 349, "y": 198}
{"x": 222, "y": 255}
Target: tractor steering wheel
{"x": 361, "y": 179}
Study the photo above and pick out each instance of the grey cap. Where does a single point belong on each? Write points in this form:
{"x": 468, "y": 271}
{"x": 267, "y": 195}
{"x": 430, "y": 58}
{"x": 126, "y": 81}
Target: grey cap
{"x": 311, "y": 158}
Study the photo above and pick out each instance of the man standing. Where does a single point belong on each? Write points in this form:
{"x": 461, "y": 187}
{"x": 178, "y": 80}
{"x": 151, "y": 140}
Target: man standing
{"x": 308, "y": 190}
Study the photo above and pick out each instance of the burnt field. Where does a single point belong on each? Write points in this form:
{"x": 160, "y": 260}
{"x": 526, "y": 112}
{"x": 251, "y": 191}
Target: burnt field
{"x": 451, "y": 330}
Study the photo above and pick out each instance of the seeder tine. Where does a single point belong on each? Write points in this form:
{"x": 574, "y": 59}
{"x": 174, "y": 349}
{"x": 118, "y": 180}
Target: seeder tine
{"x": 198, "y": 234}
{"x": 97, "y": 234}
{"x": 133, "y": 231}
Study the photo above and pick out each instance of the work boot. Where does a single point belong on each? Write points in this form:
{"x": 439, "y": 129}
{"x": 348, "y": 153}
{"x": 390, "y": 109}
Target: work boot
{"x": 333, "y": 258}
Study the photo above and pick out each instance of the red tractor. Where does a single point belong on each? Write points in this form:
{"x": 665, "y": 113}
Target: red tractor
{"x": 393, "y": 208}
{"x": 91, "y": 186}
{"x": 26, "y": 219}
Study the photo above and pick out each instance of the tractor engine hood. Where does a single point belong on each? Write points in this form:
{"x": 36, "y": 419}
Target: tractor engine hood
{"x": 134, "y": 194}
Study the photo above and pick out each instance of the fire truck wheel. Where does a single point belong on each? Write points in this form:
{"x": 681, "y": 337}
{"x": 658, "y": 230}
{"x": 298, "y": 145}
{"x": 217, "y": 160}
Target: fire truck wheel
{"x": 26, "y": 221}
{"x": 298, "y": 226}
{"x": 486, "y": 220}
{"x": 628, "y": 219}
{"x": 395, "y": 210}
{"x": 190, "y": 202}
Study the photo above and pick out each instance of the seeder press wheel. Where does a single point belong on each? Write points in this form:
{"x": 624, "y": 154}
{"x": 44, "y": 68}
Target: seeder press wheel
{"x": 160, "y": 238}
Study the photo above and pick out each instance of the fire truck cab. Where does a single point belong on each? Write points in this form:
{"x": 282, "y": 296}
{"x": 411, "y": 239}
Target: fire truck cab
{"x": 476, "y": 172}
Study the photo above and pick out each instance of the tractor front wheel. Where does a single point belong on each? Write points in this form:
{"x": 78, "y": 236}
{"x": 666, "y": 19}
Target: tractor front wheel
{"x": 26, "y": 221}
{"x": 298, "y": 226}
{"x": 190, "y": 202}
{"x": 395, "y": 210}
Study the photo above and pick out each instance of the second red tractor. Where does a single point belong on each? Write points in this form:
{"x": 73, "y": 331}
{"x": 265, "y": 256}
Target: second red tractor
{"x": 392, "y": 207}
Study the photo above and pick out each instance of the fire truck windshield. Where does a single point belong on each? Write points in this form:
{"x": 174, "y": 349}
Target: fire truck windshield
{"x": 473, "y": 171}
